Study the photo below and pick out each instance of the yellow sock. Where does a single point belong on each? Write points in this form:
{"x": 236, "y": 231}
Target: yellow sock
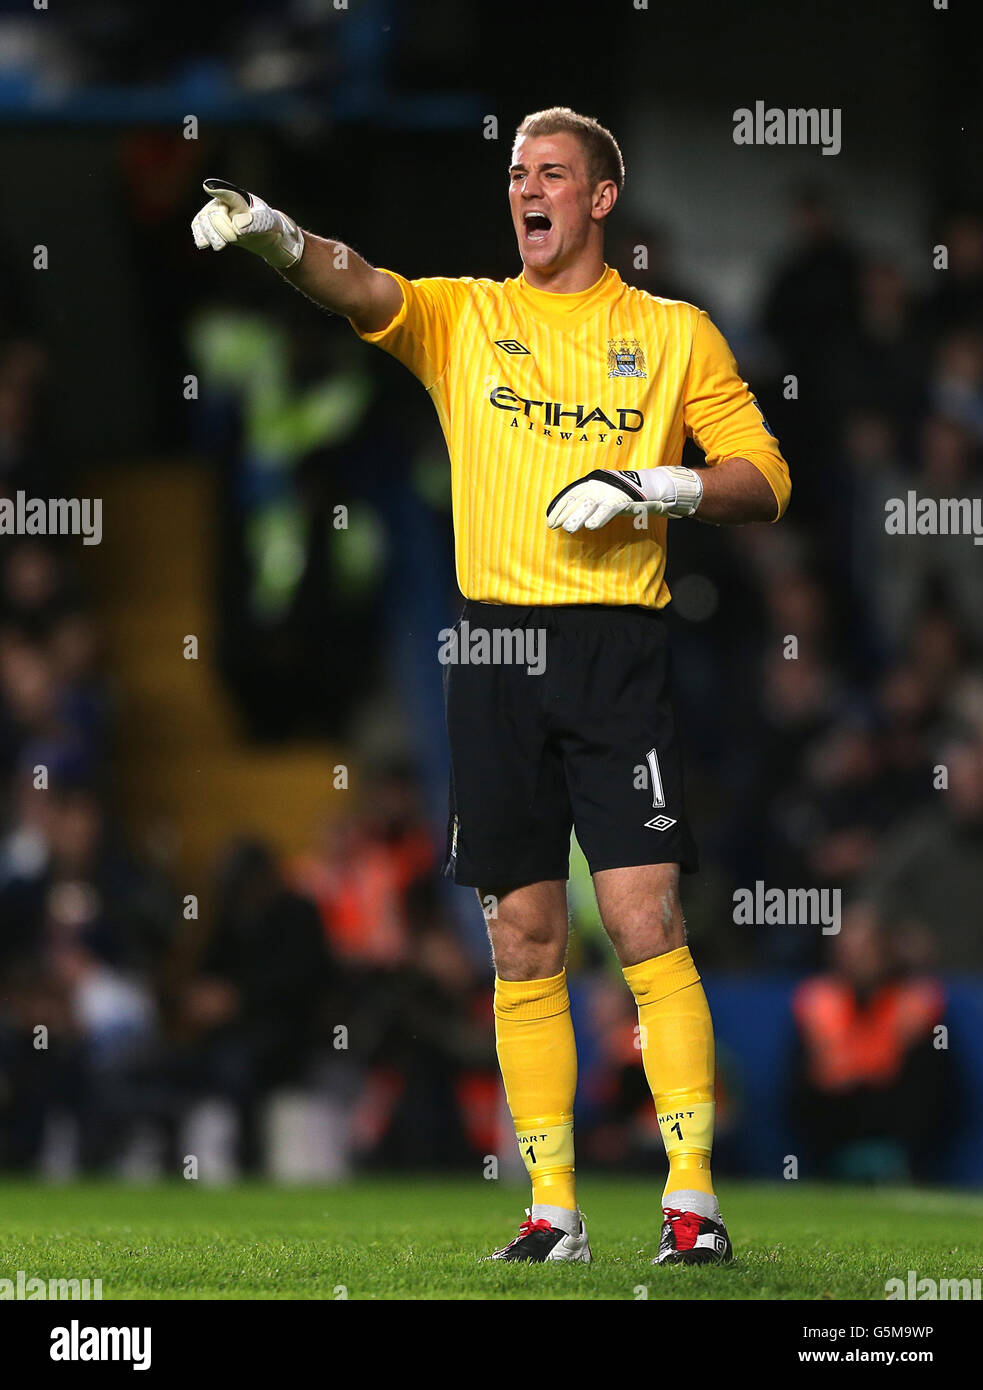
{"x": 538, "y": 1058}
{"x": 676, "y": 1036}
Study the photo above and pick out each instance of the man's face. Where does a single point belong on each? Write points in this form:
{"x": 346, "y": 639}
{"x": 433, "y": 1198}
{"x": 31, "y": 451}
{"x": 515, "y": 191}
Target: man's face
{"x": 553, "y": 203}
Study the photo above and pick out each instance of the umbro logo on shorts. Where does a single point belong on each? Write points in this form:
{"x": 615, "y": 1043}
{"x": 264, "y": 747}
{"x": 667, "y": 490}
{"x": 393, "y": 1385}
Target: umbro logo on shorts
{"x": 659, "y": 823}
{"x": 512, "y": 347}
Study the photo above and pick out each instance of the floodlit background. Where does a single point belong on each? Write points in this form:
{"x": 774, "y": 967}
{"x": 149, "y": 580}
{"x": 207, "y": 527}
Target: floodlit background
{"x": 225, "y": 910}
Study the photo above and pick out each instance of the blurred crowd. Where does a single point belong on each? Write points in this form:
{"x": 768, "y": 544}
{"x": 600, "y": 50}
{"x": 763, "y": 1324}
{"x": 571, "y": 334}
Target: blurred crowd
{"x": 853, "y": 757}
{"x": 831, "y": 690}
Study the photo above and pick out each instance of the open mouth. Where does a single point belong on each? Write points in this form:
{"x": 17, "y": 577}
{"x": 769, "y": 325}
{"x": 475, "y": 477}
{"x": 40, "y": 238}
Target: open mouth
{"x": 537, "y": 226}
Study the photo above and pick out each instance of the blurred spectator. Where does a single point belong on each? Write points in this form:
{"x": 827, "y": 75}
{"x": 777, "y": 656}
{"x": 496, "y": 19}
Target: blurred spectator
{"x": 246, "y": 1020}
{"x": 881, "y": 364}
{"x": 929, "y": 873}
{"x": 811, "y": 314}
{"x": 129, "y": 912}
{"x": 812, "y": 304}
{"x": 871, "y": 1093}
{"x": 372, "y": 876}
{"x": 956, "y": 297}
{"x": 433, "y": 1066}
{"x": 22, "y": 369}
{"x": 957, "y": 381}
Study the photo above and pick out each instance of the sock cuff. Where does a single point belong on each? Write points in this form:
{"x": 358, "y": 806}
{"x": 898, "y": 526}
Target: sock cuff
{"x": 532, "y": 999}
{"x": 661, "y": 976}
{"x": 690, "y": 1199}
{"x": 543, "y": 1122}
{"x": 561, "y": 1218}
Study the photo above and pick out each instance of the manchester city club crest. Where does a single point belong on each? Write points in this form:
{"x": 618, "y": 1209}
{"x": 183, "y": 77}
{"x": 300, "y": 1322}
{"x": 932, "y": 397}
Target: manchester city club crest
{"x": 625, "y": 357}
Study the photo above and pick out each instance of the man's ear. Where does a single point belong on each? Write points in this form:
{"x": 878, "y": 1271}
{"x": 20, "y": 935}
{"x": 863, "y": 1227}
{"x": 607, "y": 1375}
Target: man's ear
{"x": 605, "y": 197}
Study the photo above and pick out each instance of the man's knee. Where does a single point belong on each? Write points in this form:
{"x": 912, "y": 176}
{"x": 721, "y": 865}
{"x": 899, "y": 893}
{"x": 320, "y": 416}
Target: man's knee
{"x": 641, "y": 911}
{"x": 527, "y": 927}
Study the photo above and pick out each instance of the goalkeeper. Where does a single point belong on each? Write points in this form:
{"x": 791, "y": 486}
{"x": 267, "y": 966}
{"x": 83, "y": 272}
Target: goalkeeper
{"x": 565, "y": 396}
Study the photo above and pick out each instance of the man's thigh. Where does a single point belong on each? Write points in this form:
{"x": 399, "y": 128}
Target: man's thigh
{"x": 510, "y": 816}
{"x": 611, "y": 710}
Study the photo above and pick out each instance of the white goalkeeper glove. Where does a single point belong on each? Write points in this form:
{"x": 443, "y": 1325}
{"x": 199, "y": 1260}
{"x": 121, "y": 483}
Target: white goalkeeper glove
{"x": 592, "y": 501}
{"x": 237, "y": 218}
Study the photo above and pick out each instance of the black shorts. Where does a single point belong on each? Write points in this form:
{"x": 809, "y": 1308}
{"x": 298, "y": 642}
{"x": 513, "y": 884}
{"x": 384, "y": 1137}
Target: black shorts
{"x": 562, "y": 720}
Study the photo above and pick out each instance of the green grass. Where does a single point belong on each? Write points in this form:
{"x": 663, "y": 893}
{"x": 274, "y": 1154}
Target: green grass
{"x": 420, "y": 1239}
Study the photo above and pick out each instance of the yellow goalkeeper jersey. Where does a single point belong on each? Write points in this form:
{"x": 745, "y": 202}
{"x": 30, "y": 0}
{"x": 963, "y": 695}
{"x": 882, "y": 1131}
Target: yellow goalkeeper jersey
{"x": 535, "y": 389}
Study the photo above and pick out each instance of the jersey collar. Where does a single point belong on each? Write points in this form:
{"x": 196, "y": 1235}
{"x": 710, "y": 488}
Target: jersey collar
{"x": 570, "y": 310}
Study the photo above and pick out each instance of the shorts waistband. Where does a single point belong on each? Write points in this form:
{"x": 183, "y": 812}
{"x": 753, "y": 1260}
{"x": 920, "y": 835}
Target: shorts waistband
{"x": 509, "y": 613}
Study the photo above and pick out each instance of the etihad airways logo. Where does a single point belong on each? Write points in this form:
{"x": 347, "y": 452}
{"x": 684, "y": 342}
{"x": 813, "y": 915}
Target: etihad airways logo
{"x": 566, "y": 420}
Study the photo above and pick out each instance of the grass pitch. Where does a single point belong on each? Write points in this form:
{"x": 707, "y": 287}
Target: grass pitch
{"x": 421, "y": 1239}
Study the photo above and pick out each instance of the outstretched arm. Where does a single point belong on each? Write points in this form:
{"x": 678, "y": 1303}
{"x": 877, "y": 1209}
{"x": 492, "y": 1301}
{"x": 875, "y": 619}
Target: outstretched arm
{"x": 328, "y": 272}
{"x": 332, "y": 274}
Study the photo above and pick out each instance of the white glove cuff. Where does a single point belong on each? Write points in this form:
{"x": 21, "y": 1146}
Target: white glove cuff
{"x": 288, "y": 247}
{"x": 687, "y": 482}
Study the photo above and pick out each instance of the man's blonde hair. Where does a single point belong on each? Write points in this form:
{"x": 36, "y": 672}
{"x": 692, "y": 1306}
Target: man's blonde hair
{"x": 599, "y": 145}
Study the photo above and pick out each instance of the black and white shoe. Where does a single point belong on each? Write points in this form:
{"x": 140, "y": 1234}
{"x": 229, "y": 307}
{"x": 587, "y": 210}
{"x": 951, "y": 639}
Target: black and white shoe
{"x": 538, "y": 1241}
{"x": 690, "y": 1239}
